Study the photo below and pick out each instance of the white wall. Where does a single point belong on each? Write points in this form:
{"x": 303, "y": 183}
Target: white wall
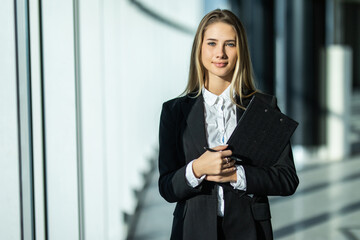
{"x": 93, "y": 107}
{"x": 130, "y": 64}
{"x": 99, "y": 75}
{"x": 60, "y": 120}
{"x": 153, "y": 64}
{"x": 9, "y": 156}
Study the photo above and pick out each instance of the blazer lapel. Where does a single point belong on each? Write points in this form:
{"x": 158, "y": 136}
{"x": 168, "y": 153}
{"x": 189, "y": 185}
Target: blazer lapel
{"x": 194, "y": 112}
{"x": 240, "y": 111}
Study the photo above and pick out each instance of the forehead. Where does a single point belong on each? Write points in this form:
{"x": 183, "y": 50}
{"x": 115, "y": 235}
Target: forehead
{"x": 220, "y": 30}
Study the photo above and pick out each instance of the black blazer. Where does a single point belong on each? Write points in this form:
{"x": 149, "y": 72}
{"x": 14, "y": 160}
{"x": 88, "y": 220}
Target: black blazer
{"x": 182, "y": 139}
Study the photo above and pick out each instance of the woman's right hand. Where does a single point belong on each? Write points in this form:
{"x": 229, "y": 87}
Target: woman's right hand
{"x": 214, "y": 163}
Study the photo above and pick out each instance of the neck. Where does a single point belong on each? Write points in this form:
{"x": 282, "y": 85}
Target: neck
{"x": 216, "y": 85}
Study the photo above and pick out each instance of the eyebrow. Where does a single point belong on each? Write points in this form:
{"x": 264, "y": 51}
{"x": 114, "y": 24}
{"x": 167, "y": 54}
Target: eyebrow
{"x": 213, "y": 39}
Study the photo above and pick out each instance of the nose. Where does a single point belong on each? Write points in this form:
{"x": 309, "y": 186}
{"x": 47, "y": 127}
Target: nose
{"x": 220, "y": 52}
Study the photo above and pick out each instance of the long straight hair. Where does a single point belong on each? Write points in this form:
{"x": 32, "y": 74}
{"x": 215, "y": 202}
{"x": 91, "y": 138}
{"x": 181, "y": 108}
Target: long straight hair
{"x": 242, "y": 83}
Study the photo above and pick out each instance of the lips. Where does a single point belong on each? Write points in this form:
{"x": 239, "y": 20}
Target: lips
{"x": 220, "y": 64}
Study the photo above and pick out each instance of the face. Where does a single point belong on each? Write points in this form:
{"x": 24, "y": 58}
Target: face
{"x": 218, "y": 51}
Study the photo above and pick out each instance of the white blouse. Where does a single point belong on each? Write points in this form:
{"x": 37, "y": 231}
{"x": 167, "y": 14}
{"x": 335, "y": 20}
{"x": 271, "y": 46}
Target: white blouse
{"x": 220, "y": 122}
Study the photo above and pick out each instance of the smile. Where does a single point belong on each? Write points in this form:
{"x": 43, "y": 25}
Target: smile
{"x": 220, "y": 65}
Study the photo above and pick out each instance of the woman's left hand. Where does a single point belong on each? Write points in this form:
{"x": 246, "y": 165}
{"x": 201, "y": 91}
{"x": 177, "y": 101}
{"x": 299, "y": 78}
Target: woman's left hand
{"x": 223, "y": 178}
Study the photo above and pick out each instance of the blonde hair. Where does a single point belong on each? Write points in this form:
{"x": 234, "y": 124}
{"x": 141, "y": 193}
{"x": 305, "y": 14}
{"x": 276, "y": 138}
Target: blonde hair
{"x": 242, "y": 83}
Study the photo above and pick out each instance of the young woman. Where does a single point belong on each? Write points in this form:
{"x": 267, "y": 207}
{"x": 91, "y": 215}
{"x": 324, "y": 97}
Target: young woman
{"x": 217, "y": 199}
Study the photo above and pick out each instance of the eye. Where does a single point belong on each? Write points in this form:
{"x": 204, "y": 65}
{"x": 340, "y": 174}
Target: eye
{"x": 211, "y": 43}
{"x": 230, "y": 44}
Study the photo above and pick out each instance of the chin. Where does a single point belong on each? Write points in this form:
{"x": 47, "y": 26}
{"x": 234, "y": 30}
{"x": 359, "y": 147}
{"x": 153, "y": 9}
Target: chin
{"x": 223, "y": 75}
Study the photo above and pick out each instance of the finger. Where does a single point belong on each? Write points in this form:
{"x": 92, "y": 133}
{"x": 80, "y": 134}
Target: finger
{"x": 228, "y": 170}
{"x": 226, "y": 153}
{"x": 228, "y": 164}
{"x": 225, "y": 164}
{"x": 213, "y": 178}
{"x": 219, "y": 178}
{"x": 231, "y": 163}
{"x": 220, "y": 147}
{"x": 225, "y": 160}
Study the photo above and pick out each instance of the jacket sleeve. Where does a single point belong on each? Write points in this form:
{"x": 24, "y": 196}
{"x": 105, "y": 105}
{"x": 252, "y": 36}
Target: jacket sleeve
{"x": 279, "y": 179}
{"x": 172, "y": 181}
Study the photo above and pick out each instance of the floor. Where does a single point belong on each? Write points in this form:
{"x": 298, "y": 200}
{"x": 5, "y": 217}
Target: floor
{"x": 326, "y": 205}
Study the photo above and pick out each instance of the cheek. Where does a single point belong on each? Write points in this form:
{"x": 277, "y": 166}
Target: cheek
{"x": 232, "y": 66}
{"x": 234, "y": 55}
{"x": 234, "y": 58}
{"x": 205, "y": 59}
{"x": 204, "y": 54}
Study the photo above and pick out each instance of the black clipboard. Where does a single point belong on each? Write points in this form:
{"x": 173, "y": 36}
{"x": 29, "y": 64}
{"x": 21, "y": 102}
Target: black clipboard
{"x": 261, "y": 134}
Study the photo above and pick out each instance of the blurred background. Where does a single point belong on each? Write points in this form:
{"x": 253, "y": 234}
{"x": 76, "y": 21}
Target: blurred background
{"x": 81, "y": 89}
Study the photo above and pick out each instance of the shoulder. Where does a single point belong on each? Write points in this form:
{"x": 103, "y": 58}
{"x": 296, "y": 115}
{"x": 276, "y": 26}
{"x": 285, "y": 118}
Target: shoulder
{"x": 176, "y": 103}
{"x": 173, "y": 109}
